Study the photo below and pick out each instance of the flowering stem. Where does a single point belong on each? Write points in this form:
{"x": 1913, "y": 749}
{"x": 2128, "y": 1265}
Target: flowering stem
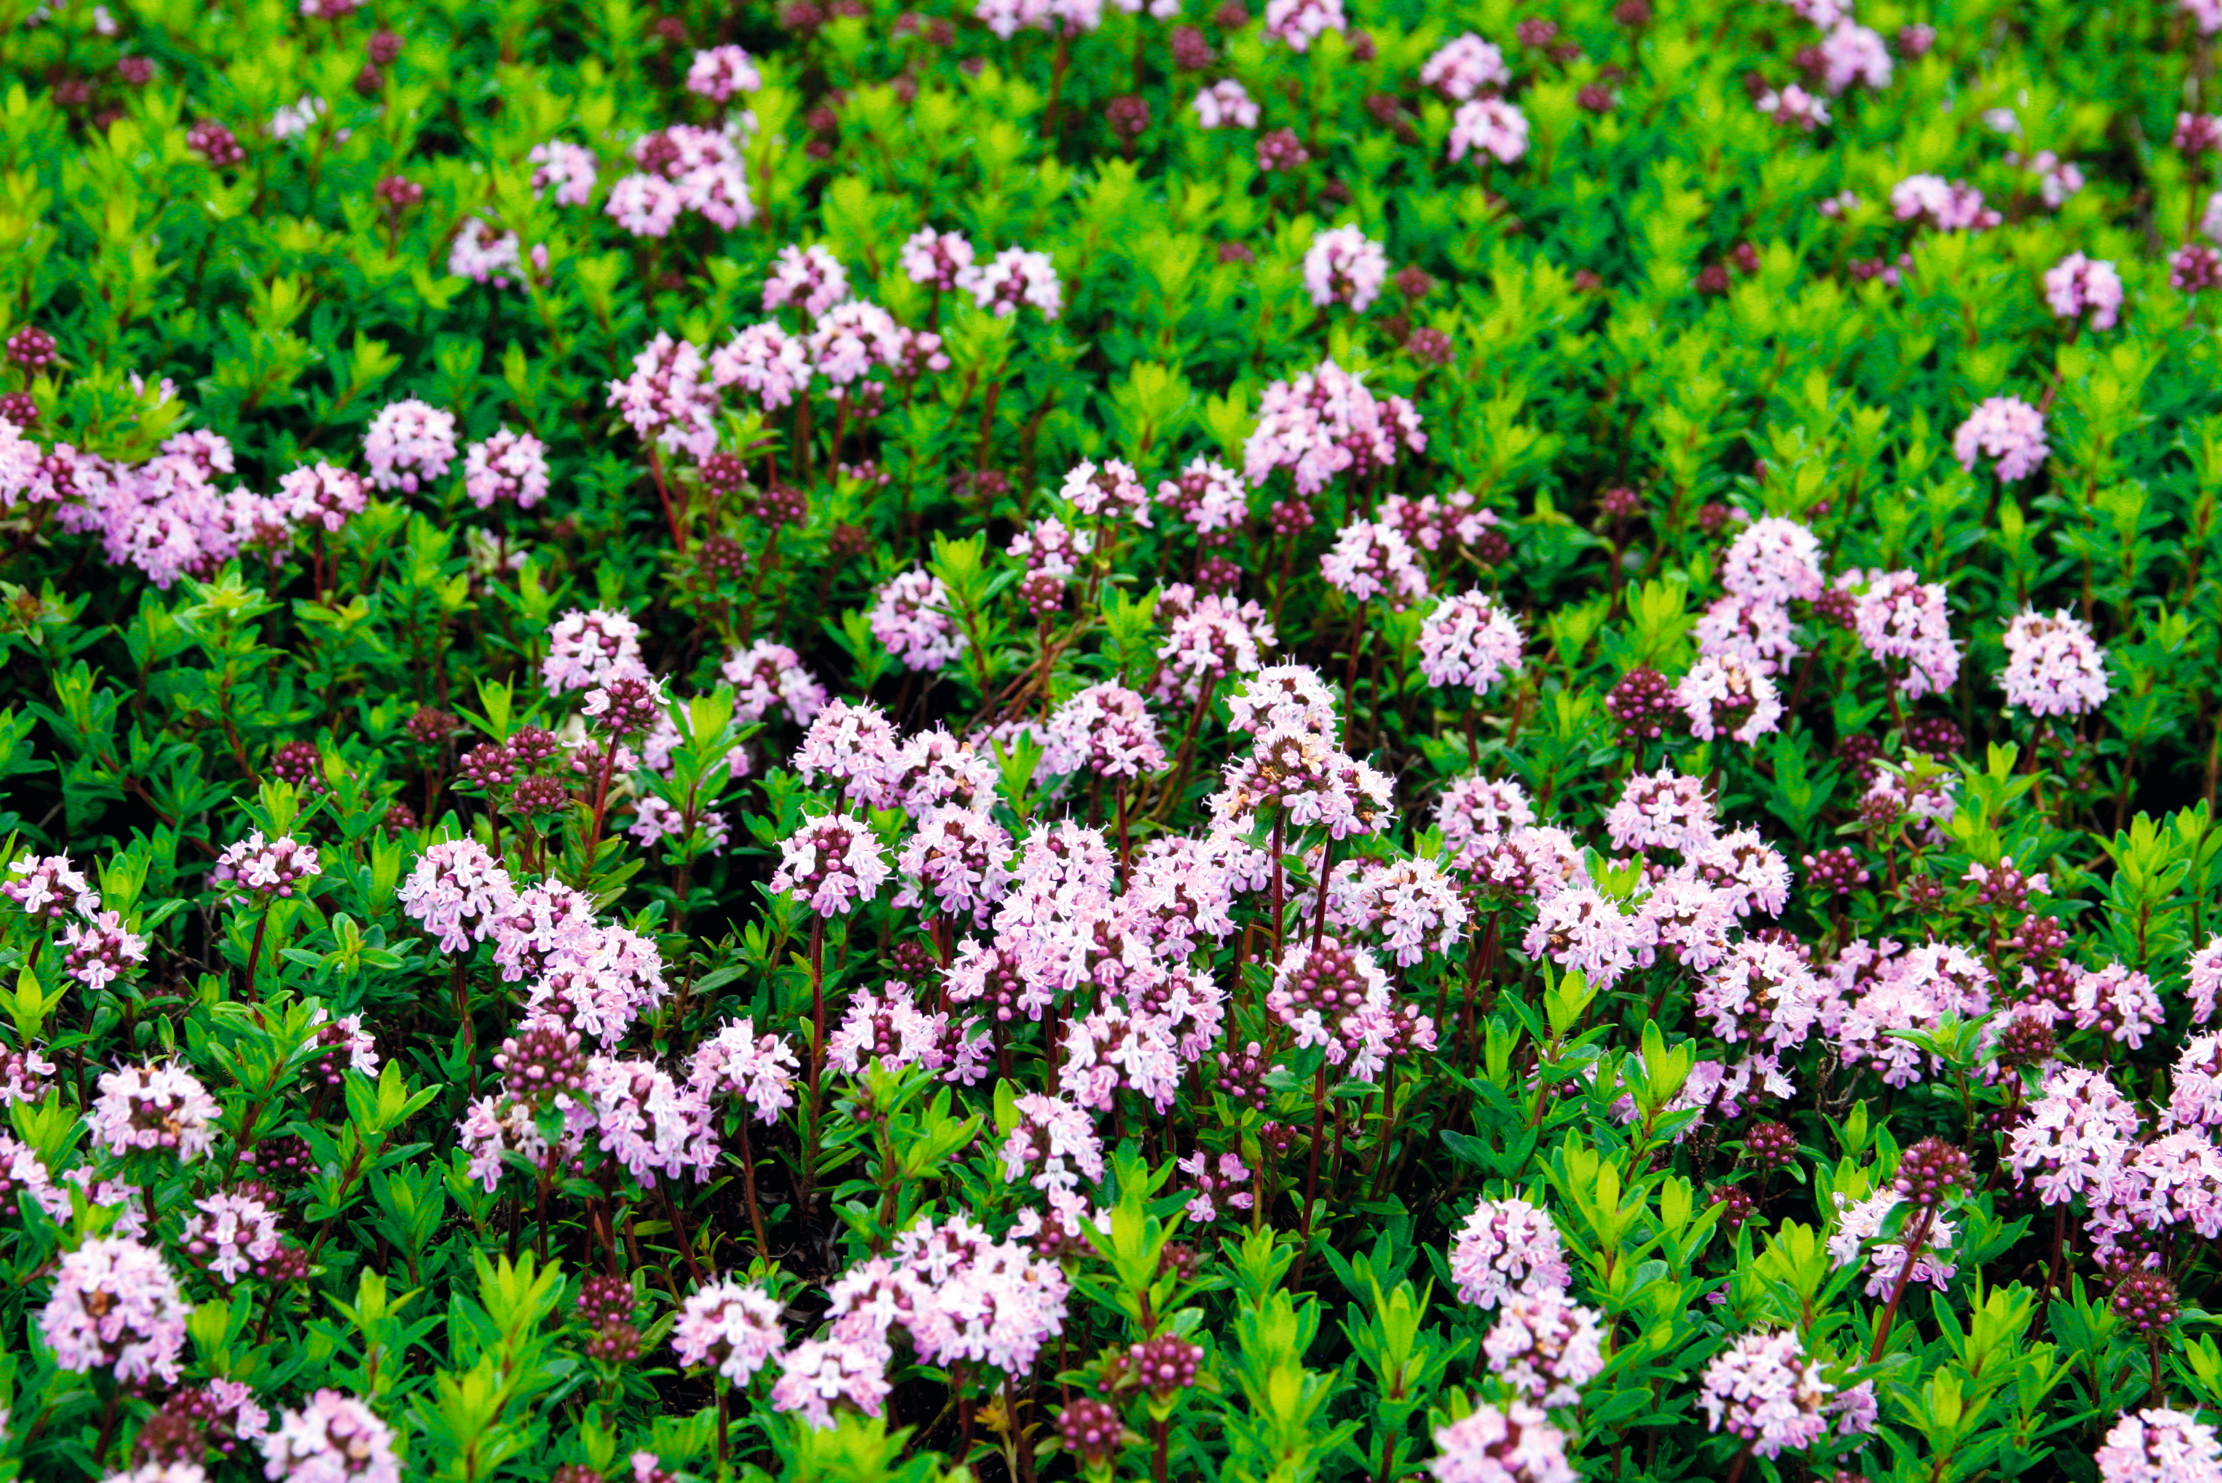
{"x": 1917, "y": 1233}
{"x": 1736, "y": 1468}
{"x": 1319, "y": 1133}
{"x": 671, "y": 517}
{"x": 748, "y": 1186}
{"x": 254, "y": 953}
{"x": 1126, "y": 853}
{"x": 1319, "y": 907}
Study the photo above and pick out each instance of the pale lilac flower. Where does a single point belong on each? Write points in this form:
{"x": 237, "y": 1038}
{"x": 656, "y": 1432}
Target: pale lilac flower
{"x": 1691, "y": 918}
{"x": 647, "y": 1121}
{"x": 230, "y": 1234}
{"x": 1860, "y": 1222}
{"x": 1512, "y": 1444}
{"x": 1952, "y": 206}
{"x": 1723, "y": 695}
{"x": 1793, "y": 106}
{"x": 1504, "y": 1247}
{"x": 1906, "y": 622}
{"x": 831, "y": 864}
{"x": 1412, "y": 904}
{"x": 1326, "y": 423}
{"x": 1773, "y": 560}
{"x": 507, "y": 468}
{"x": 911, "y": 620}
{"x": 2206, "y": 979}
{"x": 2053, "y": 667}
{"x": 268, "y": 868}
{"x": 934, "y": 768}
{"x": 766, "y": 362}
{"x": 1207, "y": 643}
{"x": 855, "y": 746}
{"x": 98, "y": 950}
{"x": 1853, "y": 54}
{"x": 49, "y": 886}
{"x": 1756, "y": 632}
{"x": 889, "y": 1028}
{"x": 1293, "y": 697}
{"x": 409, "y": 444}
{"x": 1753, "y": 874}
{"x": 2077, "y": 286}
{"x": 666, "y": 400}
{"x": 1764, "y": 1389}
{"x": 1224, "y": 1182}
{"x": 986, "y": 1302}
{"x": 1053, "y": 1146}
{"x": 1111, "y": 489}
{"x": 335, "y": 1438}
{"x": 2006, "y": 429}
{"x": 160, "y": 1105}
{"x": 1469, "y": 640}
{"x": 2158, "y": 1445}
{"x": 850, "y": 339}
{"x": 811, "y": 278}
{"x": 2207, "y": 16}
{"x": 1579, "y": 928}
{"x": 1301, "y": 22}
{"x": 2076, "y": 1138}
{"x": 1463, "y": 66}
{"x": 321, "y": 495}
{"x": 2175, "y": 1180}
{"x": 721, "y": 71}
{"x": 2118, "y": 1002}
{"x": 1489, "y": 126}
{"x": 935, "y": 260}
{"x": 1371, "y": 560}
{"x": 483, "y": 253}
{"x": 1225, "y": 105}
{"x": 1664, "y": 810}
{"x": 1106, "y": 729}
{"x": 1545, "y": 1347}
{"x": 958, "y": 859}
{"x": 495, "y": 1125}
{"x": 2195, "y": 1084}
{"x": 818, "y": 1373}
{"x": 768, "y": 674}
{"x": 1474, "y": 809}
{"x": 758, "y": 1068}
{"x": 1015, "y": 278}
{"x": 1763, "y": 992}
{"x": 566, "y": 170}
{"x": 1344, "y": 266}
{"x": 2057, "y": 179}
{"x": 593, "y": 979}
{"x": 730, "y": 1327}
{"x": 458, "y": 891}
{"x": 587, "y": 649}
{"x": 116, "y": 1304}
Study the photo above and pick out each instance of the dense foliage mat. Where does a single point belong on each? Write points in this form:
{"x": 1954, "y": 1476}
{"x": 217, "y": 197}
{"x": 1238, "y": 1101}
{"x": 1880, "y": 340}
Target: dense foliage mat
{"x": 1073, "y": 741}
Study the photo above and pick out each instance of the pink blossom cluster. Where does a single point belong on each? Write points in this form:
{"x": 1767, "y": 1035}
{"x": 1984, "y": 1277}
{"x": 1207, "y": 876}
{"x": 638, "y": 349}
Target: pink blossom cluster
{"x": 1325, "y": 423}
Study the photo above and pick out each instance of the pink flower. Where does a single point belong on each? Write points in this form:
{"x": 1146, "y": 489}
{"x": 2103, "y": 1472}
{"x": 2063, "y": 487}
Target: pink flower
{"x": 1344, "y": 266}
{"x": 722, "y": 71}
{"x": 1288, "y": 697}
{"x": 2078, "y": 285}
{"x": 97, "y": 951}
{"x": 507, "y": 468}
{"x": 817, "y": 1374}
{"x": 567, "y": 170}
{"x": 230, "y": 1234}
{"x": 336, "y": 1438}
{"x": 729, "y": 1327}
{"x": 1951, "y": 206}
{"x": 458, "y": 891}
{"x": 1505, "y": 1247}
{"x": 935, "y": 260}
{"x": 1763, "y": 992}
{"x": 2076, "y": 1138}
{"x": 1663, "y": 810}
{"x": 1853, "y": 54}
{"x": 409, "y": 444}
{"x": 2006, "y": 429}
{"x": 736, "y": 1061}
{"x": 764, "y": 361}
{"x": 1325, "y": 423}
{"x": 1722, "y": 694}
{"x": 912, "y": 622}
{"x": 958, "y": 860}
{"x": 2195, "y": 1084}
{"x": 831, "y": 863}
{"x": 1474, "y": 809}
{"x": 49, "y": 886}
{"x": 2118, "y": 1002}
{"x": 1578, "y": 928}
{"x": 1765, "y": 1390}
{"x": 483, "y": 253}
{"x": 2157, "y": 1445}
{"x": 1469, "y": 640}
{"x": 645, "y": 205}
{"x": 1905, "y": 621}
{"x": 1489, "y": 126}
{"x": 1210, "y": 641}
{"x": 648, "y": 1122}
{"x": 587, "y": 649}
{"x": 1371, "y": 560}
{"x": 1545, "y": 1347}
{"x": 811, "y": 278}
{"x": 321, "y": 495}
{"x": 1014, "y": 279}
{"x": 1301, "y": 22}
{"x": 158, "y": 1106}
{"x": 1512, "y": 1444}
{"x": 1463, "y": 66}
{"x": 2053, "y": 668}
{"x": 1107, "y": 729}
{"x": 1225, "y": 105}
{"x": 666, "y": 400}
{"x": 116, "y": 1304}
{"x": 1794, "y": 106}
{"x": 767, "y": 674}
{"x": 1773, "y": 560}
{"x": 1858, "y": 1224}
{"x": 854, "y": 745}
{"x": 1757, "y": 633}
{"x": 1109, "y": 490}
{"x": 1054, "y": 1144}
